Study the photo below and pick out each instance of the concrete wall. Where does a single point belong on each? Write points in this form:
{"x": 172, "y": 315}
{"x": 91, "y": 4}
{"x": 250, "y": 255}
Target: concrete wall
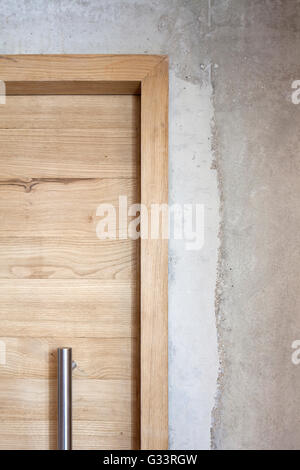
{"x": 256, "y": 45}
{"x": 234, "y": 136}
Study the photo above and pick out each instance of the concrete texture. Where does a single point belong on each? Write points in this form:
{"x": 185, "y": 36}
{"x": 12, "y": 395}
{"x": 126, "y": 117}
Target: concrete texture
{"x": 256, "y": 45}
{"x": 232, "y": 125}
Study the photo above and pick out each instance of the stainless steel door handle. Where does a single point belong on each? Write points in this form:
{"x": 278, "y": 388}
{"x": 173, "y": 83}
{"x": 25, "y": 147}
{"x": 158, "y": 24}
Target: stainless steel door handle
{"x": 64, "y": 388}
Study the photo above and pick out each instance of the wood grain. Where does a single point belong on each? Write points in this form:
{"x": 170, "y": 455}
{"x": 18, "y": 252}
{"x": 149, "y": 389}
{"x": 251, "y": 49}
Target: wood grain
{"x": 50, "y": 258}
{"x": 109, "y": 359}
{"x": 71, "y": 112}
{"x": 93, "y": 435}
{"x": 59, "y": 208}
{"x": 154, "y": 263}
{"x": 93, "y": 400}
{"x": 93, "y": 68}
{"x": 61, "y": 157}
{"x": 68, "y": 153}
{"x": 48, "y": 229}
{"x": 102, "y": 409}
{"x": 72, "y": 308}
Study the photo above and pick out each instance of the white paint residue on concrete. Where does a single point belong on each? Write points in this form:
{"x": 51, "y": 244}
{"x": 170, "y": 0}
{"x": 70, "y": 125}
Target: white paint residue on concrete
{"x": 192, "y": 279}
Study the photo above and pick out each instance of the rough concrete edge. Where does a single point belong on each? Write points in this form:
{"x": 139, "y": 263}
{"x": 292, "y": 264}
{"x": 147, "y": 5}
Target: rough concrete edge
{"x": 216, "y": 165}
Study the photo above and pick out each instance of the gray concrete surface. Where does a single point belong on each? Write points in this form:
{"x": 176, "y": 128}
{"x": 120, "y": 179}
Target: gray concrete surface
{"x": 234, "y": 144}
{"x": 257, "y": 47}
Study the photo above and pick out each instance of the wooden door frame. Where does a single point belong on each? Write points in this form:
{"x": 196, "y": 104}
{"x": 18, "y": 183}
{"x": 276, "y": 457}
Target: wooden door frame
{"x": 146, "y": 75}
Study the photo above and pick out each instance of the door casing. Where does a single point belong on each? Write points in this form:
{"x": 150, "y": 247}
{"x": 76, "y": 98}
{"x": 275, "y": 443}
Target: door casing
{"x": 146, "y": 75}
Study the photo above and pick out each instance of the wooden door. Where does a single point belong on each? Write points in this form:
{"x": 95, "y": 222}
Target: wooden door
{"x": 61, "y": 156}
